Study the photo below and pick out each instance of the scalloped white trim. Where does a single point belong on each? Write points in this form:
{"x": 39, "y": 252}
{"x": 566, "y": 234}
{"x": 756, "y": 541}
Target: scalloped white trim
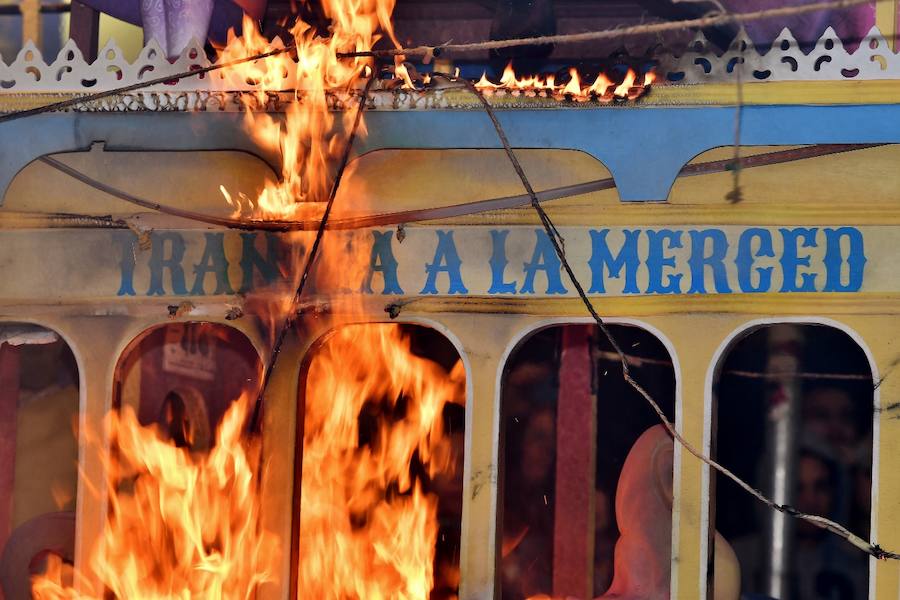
{"x": 70, "y": 73}
{"x": 828, "y": 61}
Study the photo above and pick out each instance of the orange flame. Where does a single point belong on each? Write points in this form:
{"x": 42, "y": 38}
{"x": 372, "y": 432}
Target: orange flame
{"x": 402, "y": 73}
{"x": 306, "y": 137}
{"x": 530, "y": 85}
{"x": 574, "y": 85}
{"x": 179, "y": 525}
{"x": 189, "y": 526}
{"x": 600, "y": 85}
{"x": 367, "y": 528}
{"x": 627, "y": 83}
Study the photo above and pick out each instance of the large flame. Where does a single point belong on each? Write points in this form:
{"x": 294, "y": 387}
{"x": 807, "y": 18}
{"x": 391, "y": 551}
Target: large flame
{"x": 179, "y": 525}
{"x": 307, "y": 138}
{"x": 373, "y": 420}
{"x": 188, "y": 525}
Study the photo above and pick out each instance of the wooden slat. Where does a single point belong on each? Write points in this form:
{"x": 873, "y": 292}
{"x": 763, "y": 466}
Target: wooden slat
{"x": 31, "y": 21}
{"x": 9, "y": 398}
{"x": 886, "y": 13}
{"x": 573, "y": 533}
{"x": 84, "y": 28}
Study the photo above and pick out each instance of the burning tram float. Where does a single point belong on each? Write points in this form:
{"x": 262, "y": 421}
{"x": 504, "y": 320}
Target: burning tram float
{"x": 436, "y": 414}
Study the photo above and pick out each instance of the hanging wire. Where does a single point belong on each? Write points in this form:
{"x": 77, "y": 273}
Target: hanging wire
{"x": 822, "y": 522}
{"x": 641, "y": 361}
{"x": 69, "y": 103}
{"x": 291, "y": 313}
{"x": 551, "y": 230}
{"x": 721, "y": 18}
{"x": 424, "y": 214}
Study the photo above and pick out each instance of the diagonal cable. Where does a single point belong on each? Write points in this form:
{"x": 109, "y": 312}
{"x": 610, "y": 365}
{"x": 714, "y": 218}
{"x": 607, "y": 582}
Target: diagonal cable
{"x": 764, "y": 159}
{"x": 291, "y": 314}
{"x": 69, "y": 103}
{"x": 822, "y": 522}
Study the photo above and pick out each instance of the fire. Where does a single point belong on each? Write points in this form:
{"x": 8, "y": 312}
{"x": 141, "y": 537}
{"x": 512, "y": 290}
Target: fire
{"x": 306, "y": 137}
{"x": 575, "y": 89}
{"x": 367, "y": 524}
{"x": 602, "y": 84}
{"x": 574, "y": 85}
{"x": 188, "y": 525}
{"x": 402, "y": 73}
{"x": 179, "y": 525}
{"x": 373, "y": 418}
{"x": 626, "y": 84}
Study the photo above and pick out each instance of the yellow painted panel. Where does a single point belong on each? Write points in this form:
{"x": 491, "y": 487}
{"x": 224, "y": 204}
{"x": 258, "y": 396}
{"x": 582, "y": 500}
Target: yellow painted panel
{"x": 830, "y": 188}
{"x": 778, "y": 92}
{"x": 880, "y": 336}
{"x": 182, "y": 179}
{"x": 129, "y": 38}
{"x": 847, "y": 179}
{"x": 411, "y": 179}
{"x": 694, "y": 354}
{"x": 886, "y": 21}
{"x": 886, "y": 305}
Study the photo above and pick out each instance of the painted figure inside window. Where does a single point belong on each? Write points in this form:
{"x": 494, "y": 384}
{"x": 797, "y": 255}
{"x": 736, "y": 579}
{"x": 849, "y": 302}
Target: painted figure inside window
{"x": 633, "y": 496}
{"x": 829, "y": 465}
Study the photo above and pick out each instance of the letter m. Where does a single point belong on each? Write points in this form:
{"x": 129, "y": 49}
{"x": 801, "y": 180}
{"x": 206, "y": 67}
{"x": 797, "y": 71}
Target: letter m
{"x": 603, "y": 261}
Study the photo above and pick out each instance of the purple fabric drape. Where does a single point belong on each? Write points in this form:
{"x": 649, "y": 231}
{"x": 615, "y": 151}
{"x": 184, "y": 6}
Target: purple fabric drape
{"x": 851, "y": 24}
{"x": 174, "y": 22}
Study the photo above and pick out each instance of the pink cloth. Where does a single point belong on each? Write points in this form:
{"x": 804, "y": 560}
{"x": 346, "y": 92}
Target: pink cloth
{"x": 643, "y": 555}
{"x": 644, "y": 514}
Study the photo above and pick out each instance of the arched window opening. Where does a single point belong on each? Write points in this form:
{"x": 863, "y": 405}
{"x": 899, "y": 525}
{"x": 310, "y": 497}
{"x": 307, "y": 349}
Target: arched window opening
{"x": 182, "y": 377}
{"x": 587, "y": 467}
{"x": 793, "y": 418}
{"x": 379, "y": 470}
{"x": 38, "y": 454}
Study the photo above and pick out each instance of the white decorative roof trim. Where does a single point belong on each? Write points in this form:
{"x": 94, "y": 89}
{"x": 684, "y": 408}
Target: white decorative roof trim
{"x": 828, "y": 61}
{"x": 70, "y": 73}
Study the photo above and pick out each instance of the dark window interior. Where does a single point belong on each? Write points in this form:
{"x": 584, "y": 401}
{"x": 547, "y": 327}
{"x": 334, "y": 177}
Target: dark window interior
{"x": 38, "y": 454}
{"x": 531, "y": 391}
{"x": 828, "y": 462}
